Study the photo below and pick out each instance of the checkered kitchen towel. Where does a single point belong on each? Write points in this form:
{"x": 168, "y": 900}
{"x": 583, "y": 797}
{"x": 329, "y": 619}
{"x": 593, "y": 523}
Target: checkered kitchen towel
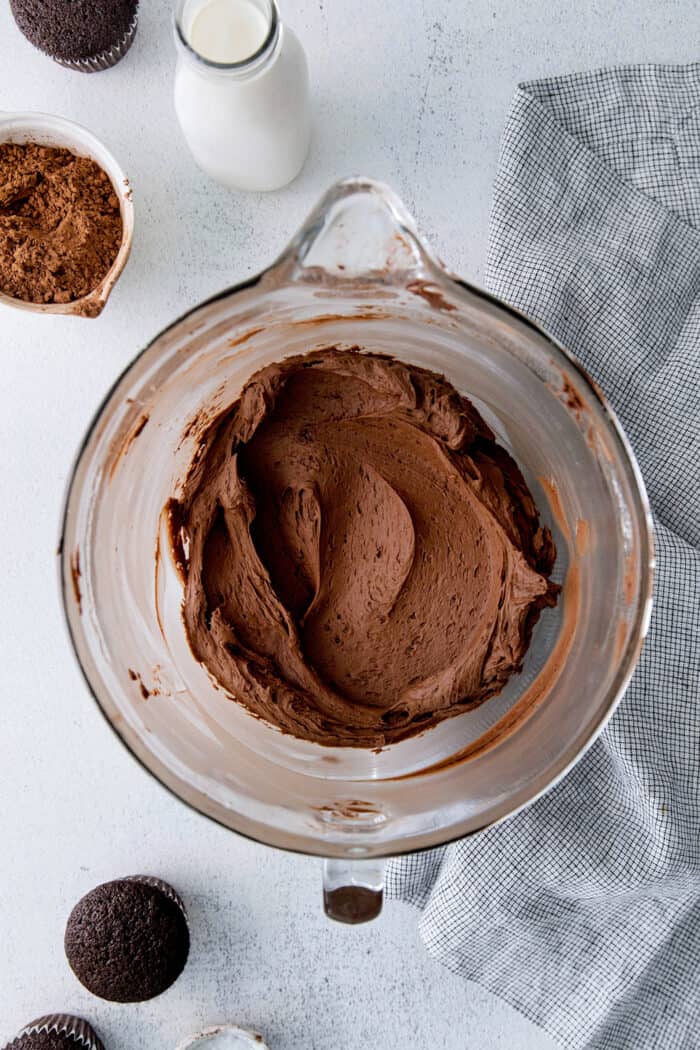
{"x": 584, "y": 910}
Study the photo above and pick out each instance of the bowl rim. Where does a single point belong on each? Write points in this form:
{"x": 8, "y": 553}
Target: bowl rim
{"x": 51, "y": 125}
{"x": 308, "y": 844}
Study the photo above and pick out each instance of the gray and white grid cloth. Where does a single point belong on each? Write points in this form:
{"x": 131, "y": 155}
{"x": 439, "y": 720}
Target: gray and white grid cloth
{"x": 584, "y": 910}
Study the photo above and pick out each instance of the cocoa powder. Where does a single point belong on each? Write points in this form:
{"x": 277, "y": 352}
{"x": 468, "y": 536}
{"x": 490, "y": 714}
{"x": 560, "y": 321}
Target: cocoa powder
{"x": 60, "y": 223}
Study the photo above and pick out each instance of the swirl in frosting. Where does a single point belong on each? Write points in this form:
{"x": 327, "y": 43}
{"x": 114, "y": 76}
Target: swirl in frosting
{"x": 363, "y": 559}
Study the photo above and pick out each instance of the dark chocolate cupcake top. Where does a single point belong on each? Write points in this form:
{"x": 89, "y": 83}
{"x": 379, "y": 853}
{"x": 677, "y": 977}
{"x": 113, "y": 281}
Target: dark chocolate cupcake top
{"x": 128, "y": 940}
{"x": 74, "y": 29}
{"x": 57, "y": 1032}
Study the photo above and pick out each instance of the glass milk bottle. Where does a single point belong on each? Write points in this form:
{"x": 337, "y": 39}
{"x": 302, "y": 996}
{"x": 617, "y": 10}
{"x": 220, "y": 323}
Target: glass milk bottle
{"x": 241, "y": 92}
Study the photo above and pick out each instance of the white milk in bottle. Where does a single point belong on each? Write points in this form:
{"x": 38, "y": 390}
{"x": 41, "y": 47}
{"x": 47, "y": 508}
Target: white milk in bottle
{"x": 242, "y": 92}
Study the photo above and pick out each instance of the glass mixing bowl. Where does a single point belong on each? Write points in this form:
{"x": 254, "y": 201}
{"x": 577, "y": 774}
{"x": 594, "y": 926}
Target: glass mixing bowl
{"x": 355, "y": 274}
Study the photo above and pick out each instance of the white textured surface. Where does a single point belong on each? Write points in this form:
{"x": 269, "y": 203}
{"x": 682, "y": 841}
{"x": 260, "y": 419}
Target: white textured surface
{"x": 411, "y": 92}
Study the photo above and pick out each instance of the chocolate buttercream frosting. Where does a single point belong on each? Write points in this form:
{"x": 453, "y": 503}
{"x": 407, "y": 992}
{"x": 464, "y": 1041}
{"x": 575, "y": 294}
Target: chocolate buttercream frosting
{"x": 361, "y": 558}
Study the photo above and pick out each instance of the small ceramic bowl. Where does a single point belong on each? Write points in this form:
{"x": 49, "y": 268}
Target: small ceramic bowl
{"x": 224, "y": 1037}
{"x": 49, "y": 130}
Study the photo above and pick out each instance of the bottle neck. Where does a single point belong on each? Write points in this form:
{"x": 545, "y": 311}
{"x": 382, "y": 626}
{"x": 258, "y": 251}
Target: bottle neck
{"x": 186, "y": 12}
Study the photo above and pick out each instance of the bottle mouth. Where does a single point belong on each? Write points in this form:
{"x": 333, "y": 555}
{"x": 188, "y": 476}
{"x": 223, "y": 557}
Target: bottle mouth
{"x": 243, "y": 66}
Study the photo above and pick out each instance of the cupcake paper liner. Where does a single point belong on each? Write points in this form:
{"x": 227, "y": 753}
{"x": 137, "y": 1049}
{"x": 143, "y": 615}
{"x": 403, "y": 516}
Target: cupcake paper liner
{"x": 164, "y": 887}
{"x": 65, "y": 1024}
{"x": 106, "y": 59}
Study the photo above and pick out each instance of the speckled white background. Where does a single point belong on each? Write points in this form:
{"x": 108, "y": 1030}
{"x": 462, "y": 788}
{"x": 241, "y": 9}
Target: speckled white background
{"x": 412, "y": 92}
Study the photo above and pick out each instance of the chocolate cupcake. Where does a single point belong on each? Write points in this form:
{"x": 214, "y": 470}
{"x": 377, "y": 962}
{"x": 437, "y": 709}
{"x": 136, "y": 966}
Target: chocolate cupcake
{"x": 127, "y": 941}
{"x": 86, "y": 35}
{"x": 57, "y": 1032}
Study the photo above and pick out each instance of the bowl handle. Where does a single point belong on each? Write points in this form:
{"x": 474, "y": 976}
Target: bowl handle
{"x": 359, "y": 232}
{"x": 353, "y": 890}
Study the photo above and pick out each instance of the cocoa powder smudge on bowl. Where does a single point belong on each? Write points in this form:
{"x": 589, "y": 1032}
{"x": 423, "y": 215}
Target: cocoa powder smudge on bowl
{"x": 60, "y": 223}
